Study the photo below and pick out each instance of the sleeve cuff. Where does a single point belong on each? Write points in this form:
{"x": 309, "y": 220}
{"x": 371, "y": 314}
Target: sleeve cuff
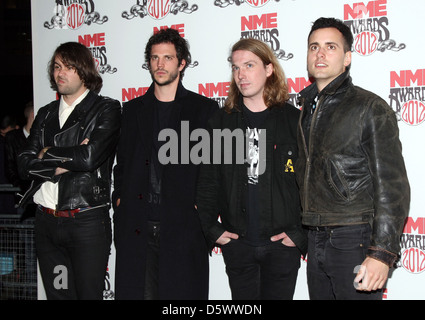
{"x": 382, "y": 255}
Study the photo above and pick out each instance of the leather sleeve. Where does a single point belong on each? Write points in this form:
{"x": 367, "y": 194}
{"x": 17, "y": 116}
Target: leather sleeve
{"x": 102, "y": 143}
{"x": 29, "y": 166}
{"x": 380, "y": 141}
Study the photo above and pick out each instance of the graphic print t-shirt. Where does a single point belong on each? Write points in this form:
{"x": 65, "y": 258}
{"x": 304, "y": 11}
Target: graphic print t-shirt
{"x": 255, "y": 124}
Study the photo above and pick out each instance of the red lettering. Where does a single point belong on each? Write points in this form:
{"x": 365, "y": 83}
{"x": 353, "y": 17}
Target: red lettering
{"x": 413, "y": 260}
{"x": 413, "y": 112}
{"x": 411, "y": 225}
{"x": 360, "y": 10}
{"x": 216, "y": 250}
{"x": 210, "y": 90}
{"x": 178, "y": 27}
{"x": 158, "y": 9}
{"x": 95, "y": 40}
{"x": 297, "y": 84}
{"x": 265, "y": 21}
{"x": 131, "y": 93}
{"x": 75, "y": 16}
{"x": 257, "y": 3}
{"x": 366, "y": 43}
{"x": 406, "y": 78}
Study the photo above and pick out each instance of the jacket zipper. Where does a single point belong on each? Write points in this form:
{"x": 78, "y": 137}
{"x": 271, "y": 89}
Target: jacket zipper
{"x": 308, "y": 149}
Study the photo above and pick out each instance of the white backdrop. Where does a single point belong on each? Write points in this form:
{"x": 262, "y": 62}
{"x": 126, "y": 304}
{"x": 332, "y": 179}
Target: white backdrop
{"x": 388, "y": 61}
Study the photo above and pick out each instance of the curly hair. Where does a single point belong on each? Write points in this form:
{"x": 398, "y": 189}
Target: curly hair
{"x": 170, "y": 36}
{"x": 78, "y": 56}
{"x": 275, "y": 89}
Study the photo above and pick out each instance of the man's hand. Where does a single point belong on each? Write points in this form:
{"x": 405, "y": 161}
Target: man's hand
{"x": 226, "y": 237}
{"x": 60, "y": 171}
{"x": 285, "y": 239}
{"x": 372, "y": 275}
{"x": 42, "y": 152}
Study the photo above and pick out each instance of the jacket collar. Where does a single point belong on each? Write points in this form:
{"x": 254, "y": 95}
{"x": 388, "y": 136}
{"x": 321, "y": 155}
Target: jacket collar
{"x": 84, "y": 104}
{"x": 339, "y": 84}
{"x": 150, "y": 94}
{"x": 147, "y": 109}
{"x": 81, "y": 109}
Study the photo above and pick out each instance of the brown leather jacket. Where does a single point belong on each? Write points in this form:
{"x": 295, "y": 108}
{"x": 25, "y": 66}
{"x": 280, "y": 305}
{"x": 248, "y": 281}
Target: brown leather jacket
{"x": 352, "y": 170}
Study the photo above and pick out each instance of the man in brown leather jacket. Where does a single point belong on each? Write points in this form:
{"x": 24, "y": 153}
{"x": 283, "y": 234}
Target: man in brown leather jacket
{"x": 69, "y": 156}
{"x": 353, "y": 184}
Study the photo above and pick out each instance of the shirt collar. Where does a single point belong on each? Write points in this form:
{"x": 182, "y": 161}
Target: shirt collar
{"x": 64, "y": 105}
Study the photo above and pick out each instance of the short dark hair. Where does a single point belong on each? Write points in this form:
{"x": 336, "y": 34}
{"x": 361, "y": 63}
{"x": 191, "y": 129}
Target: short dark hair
{"x": 337, "y": 24}
{"x": 170, "y": 36}
{"x": 78, "y": 56}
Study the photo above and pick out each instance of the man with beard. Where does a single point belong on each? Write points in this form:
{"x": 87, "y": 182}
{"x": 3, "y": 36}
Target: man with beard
{"x": 69, "y": 156}
{"x": 161, "y": 252}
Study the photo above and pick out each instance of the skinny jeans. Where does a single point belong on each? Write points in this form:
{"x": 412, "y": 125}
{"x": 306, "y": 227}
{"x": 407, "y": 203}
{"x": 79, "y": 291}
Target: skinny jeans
{"x": 73, "y": 253}
{"x": 266, "y": 272}
{"x": 334, "y": 256}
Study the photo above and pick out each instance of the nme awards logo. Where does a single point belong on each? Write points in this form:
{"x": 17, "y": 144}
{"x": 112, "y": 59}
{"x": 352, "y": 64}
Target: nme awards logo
{"x": 252, "y": 3}
{"x": 215, "y": 91}
{"x": 369, "y": 25}
{"x": 158, "y": 9}
{"x": 97, "y": 45}
{"x": 295, "y": 86}
{"x": 407, "y": 95}
{"x": 413, "y": 246}
{"x": 264, "y": 28}
{"x": 72, "y": 14}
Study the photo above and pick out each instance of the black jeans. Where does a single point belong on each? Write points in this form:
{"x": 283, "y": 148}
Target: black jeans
{"x": 333, "y": 255}
{"x": 265, "y": 272}
{"x": 73, "y": 253}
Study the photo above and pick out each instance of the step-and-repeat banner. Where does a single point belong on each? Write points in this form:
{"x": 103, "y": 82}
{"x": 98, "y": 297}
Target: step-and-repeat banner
{"x": 388, "y": 59}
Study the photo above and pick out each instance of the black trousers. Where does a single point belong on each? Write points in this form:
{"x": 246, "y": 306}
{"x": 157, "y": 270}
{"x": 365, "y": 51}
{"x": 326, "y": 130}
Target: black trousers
{"x": 334, "y": 254}
{"x": 265, "y": 272}
{"x": 73, "y": 253}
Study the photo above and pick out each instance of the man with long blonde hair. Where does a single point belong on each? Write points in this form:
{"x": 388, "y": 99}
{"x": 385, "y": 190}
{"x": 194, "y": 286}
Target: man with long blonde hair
{"x": 260, "y": 233}
{"x": 275, "y": 89}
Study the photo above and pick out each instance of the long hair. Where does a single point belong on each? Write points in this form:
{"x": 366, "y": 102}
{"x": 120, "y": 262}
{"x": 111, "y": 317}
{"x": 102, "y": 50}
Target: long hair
{"x": 78, "y": 56}
{"x": 275, "y": 89}
{"x": 170, "y": 36}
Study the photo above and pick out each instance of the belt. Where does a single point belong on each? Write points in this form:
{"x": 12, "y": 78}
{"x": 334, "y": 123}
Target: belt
{"x": 62, "y": 213}
{"x": 322, "y": 228}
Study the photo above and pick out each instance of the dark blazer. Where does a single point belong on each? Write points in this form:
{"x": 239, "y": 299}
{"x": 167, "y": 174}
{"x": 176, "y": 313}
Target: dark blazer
{"x": 183, "y": 267}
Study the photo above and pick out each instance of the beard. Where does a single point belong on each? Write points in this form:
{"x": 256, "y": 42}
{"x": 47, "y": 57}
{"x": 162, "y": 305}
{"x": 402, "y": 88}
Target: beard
{"x": 172, "y": 76}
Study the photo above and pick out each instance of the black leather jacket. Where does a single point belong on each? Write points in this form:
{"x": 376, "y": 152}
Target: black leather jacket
{"x": 87, "y": 183}
{"x": 352, "y": 170}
